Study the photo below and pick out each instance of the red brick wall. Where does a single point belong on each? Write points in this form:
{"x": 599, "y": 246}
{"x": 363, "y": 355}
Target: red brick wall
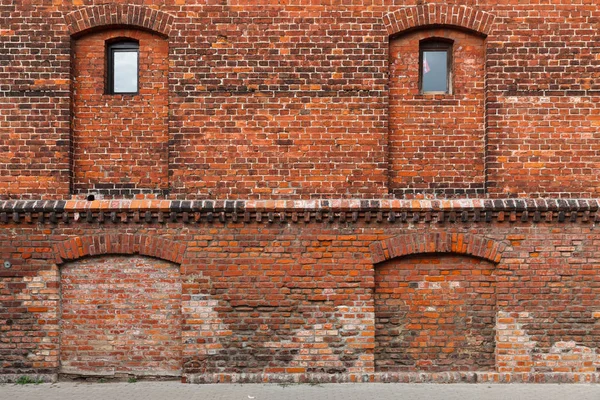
{"x": 119, "y": 316}
{"x": 19, "y": 328}
{"x": 278, "y": 103}
{"x": 34, "y": 102}
{"x": 543, "y": 111}
{"x": 290, "y": 103}
{"x": 434, "y": 313}
{"x": 436, "y": 141}
{"x": 29, "y": 319}
{"x": 555, "y": 152}
{"x": 271, "y": 101}
{"x": 120, "y": 141}
{"x": 276, "y": 303}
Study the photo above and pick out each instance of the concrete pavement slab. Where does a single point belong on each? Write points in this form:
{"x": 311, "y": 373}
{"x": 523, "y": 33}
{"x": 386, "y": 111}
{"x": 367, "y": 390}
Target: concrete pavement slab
{"x": 379, "y": 391}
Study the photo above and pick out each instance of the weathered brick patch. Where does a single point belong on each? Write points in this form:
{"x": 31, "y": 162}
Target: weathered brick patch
{"x": 517, "y": 352}
{"x": 120, "y": 316}
{"x": 434, "y": 313}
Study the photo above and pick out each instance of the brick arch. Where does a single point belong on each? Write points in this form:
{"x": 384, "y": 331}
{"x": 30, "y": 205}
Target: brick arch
{"x": 414, "y": 17}
{"x": 458, "y": 243}
{"x": 78, "y": 247}
{"x": 86, "y": 19}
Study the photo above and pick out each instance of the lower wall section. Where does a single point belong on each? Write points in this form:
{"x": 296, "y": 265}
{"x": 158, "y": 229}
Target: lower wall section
{"x": 266, "y": 333}
{"x": 284, "y": 300}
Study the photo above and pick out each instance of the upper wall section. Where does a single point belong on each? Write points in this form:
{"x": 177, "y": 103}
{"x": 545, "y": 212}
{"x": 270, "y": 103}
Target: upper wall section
{"x": 290, "y": 100}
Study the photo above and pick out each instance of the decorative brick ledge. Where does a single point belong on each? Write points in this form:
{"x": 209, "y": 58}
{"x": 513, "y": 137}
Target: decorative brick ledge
{"x": 378, "y": 211}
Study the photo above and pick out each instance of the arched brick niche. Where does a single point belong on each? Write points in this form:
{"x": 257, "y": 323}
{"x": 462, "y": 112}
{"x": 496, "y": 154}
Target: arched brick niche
{"x": 435, "y": 303}
{"x": 120, "y": 140}
{"x": 120, "y": 315}
{"x": 121, "y": 305}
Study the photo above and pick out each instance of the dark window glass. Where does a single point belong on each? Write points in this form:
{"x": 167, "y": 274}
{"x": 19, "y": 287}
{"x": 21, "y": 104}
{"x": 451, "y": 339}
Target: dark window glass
{"x": 435, "y": 68}
{"x": 123, "y": 67}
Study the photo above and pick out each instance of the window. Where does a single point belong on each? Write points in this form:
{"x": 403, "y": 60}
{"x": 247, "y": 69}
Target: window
{"x": 122, "y": 67}
{"x": 435, "y": 66}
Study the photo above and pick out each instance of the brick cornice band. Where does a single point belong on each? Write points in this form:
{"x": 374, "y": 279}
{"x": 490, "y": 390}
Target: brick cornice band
{"x": 78, "y": 247}
{"x": 351, "y": 210}
{"x": 85, "y": 19}
{"x": 404, "y": 245}
{"x": 464, "y": 17}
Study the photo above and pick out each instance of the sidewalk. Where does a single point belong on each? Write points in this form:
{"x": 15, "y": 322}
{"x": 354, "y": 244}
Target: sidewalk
{"x": 375, "y": 391}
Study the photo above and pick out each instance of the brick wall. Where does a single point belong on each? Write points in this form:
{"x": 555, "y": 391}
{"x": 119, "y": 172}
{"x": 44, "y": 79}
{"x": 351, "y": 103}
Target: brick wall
{"x": 384, "y": 290}
{"x": 34, "y": 102}
{"x": 542, "y": 109}
{"x": 282, "y": 140}
{"x": 30, "y": 322}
